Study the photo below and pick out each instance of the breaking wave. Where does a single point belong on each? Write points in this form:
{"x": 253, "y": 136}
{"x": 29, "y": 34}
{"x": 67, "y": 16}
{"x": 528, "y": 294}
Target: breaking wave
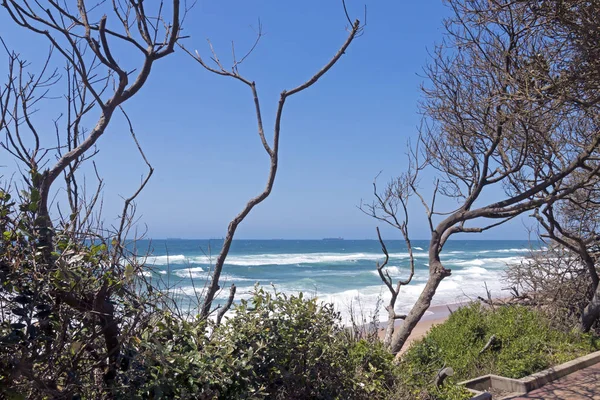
{"x": 280, "y": 259}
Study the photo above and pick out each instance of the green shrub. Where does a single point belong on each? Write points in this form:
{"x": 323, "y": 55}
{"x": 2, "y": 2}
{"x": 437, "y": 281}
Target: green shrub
{"x": 373, "y": 366}
{"x": 301, "y": 351}
{"x": 274, "y": 346}
{"x": 68, "y": 307}
{"x": 80, "y": 321}
{"x": 525, "y": 343}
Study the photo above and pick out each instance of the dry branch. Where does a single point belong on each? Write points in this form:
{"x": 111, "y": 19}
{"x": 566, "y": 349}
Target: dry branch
{"x": 271, "y": 149}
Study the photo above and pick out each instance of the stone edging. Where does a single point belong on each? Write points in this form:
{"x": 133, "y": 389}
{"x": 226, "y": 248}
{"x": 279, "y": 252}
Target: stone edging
{"x": 524, "y": 385}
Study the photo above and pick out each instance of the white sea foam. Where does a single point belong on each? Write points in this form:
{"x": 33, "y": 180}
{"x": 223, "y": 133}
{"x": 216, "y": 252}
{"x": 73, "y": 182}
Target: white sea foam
{"x": 402, "y": 272}
{"x": 221, "y": 294}
{"x": 451, "y": 290}
{"x": 392, "y": 270}
{"x": 499, "y": 262}
{"x": 282, "y": 259}
{"x": 196, "y": 272}
{"x": 166, "y": 260}
{"x": 520, "y": 250}
{"x": 472, "y": 271}
{"x": 332, "y": 276}
{"x": 477, "y": 262}
{"x": 463, "y": 285}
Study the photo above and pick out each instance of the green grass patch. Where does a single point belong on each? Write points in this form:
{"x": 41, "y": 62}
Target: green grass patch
{"x": 525, "y": 343}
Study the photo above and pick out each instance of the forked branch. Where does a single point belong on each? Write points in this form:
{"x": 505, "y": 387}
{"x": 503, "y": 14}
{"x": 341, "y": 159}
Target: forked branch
{"x": 271, "y": 149}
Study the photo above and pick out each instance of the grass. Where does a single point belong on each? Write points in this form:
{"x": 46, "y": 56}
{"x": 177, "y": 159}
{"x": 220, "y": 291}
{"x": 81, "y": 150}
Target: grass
{"x": 525, "y": 342}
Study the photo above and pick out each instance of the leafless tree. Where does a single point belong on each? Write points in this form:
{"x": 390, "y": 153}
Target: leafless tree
{"x": 572, "y": 224}
{"x": 88, "y": 39}
{"x": 393, "y": 210}
{"x": 81, "y": 35}
{"x": 553, "y": 280}
{"x": 272, "y": 149}
{"x": 575, "y": 24}
{"x": 497, "y": 123}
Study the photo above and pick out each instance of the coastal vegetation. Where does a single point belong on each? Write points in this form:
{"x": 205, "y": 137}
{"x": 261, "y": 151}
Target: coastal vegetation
{"x": 511, "y": 102}
{"x": 509, "y": 340}
{"x": 275, "y": 347}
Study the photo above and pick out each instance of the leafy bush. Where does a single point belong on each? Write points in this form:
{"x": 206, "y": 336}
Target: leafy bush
{"x": 274, "y": 346}
{"x": 80, "y": 321}
{"x": 525, "y": 342}
{"x": 68, "y": 308}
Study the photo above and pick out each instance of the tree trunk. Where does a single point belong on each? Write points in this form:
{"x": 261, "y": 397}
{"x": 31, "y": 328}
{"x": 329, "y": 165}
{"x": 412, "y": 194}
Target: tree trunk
{"x": 591, "y": 313}
{"x": 436, "y": 274}
{"x": 389, "y": 331}
{"x": 592, "y": 310}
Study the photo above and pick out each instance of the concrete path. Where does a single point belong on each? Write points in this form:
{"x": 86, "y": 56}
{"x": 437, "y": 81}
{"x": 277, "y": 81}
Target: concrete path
{"x": 580, "y": 385}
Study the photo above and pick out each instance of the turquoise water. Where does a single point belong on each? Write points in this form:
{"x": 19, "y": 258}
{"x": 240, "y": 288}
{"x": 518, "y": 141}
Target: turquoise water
{"x": 338, "y": 271}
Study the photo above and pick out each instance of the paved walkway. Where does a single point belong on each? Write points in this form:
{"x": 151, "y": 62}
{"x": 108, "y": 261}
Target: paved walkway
{"x": 580, "y": 385}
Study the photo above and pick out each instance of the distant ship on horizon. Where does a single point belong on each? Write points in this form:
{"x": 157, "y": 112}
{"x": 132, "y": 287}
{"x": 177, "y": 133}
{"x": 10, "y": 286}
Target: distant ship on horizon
{"x": 335, "y": 238}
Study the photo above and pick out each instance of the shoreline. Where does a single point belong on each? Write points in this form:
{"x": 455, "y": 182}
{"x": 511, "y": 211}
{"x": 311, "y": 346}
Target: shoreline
{"x": 435, "y": 315}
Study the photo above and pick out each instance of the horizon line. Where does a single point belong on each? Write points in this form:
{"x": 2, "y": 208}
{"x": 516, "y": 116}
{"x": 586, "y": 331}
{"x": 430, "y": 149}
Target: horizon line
{"x": 335, "y": 239}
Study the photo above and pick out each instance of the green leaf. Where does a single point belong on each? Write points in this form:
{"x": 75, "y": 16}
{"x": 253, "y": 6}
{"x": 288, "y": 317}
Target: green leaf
{"x": 36, "y": 177}
{"x": 35, "y": 195}
{"x": 128, "y": 271}
{"x": 75, "y": 346}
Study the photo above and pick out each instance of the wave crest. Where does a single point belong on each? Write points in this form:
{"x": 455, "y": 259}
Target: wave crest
{"x": 281, "y": 259}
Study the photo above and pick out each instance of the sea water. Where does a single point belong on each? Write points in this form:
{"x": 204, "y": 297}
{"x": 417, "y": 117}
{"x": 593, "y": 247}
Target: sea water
{"x": 343, "y": 272}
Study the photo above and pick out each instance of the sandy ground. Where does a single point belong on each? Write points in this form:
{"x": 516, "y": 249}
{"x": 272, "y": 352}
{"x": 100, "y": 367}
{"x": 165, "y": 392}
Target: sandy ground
{"x": 435, "y": 315}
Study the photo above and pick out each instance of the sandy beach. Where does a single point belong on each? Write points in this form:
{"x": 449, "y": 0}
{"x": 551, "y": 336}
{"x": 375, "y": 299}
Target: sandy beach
{"x": 435, "y": 315}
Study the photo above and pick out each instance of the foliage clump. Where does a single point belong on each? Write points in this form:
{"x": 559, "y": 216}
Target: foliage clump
{"x": 68, "y": 312}
{"x": 59, "y": 336}
{"x": 524, "y": 342}
{"x": 275, "y": 346}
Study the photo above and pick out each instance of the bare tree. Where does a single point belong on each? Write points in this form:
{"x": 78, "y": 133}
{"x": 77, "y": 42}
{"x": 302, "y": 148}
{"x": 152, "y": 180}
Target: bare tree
{"x": 392, "y": 208}
{"x": 554, "y": 280}
{"x": 572, "y": 223}
{"x": 88, "y": 39}
{"x": 495, "y": 124}
{"x": 575, "y": 24}
{"x": 86, "y": 42}
{"x": 272, "y": 149}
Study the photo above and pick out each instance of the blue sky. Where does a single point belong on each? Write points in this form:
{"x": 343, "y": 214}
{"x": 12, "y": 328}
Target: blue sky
{"x": 199, "y": 132}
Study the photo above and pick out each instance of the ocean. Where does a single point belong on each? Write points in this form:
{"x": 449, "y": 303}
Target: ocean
{"x": 339, "y": 271}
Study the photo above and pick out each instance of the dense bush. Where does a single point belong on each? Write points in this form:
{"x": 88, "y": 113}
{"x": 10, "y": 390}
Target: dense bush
{"x": 275, "y": 346}
{"x": 68, "y": 311}
{"x": 525, "y": 343}
{"x": 82, "y": 323}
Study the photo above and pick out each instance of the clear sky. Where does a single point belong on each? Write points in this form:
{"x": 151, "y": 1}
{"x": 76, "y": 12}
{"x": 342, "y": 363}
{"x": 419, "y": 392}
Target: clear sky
{"x": 199, "y": 130}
